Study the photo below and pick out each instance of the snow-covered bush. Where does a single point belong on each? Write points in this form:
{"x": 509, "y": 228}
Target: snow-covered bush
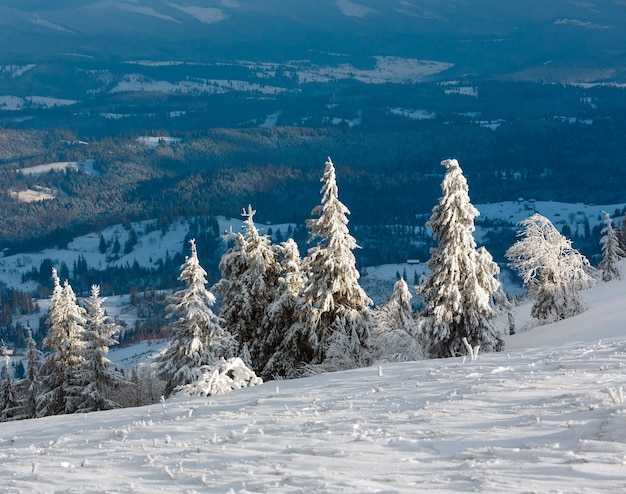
{"x": 221, "y": 378}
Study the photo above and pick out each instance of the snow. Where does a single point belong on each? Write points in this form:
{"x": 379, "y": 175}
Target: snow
{"x": 47, "y": 102}
{"x": 543, "y": 416}
{"x": 135, "y": 82}
{"x": 205, "y": 15}
{"x": 579, "y": 23}
{"x": 16, "y": 70}
{"x": 154, "y": 141}
{"x": 87, "y": 165}
{"x": 148, "y": 11}
{"x": 463, "y": 90}
{"x": 413, "y": 114}
{"x": 387, "y": 69}
{"x": 30, "y": 195}
{"x": 491, "y": 124}
{"x": 353, "y": 9}
{"x": 14, "y": 103}
{"x": 559, "y": 213}
{"x": 271, "y": 120}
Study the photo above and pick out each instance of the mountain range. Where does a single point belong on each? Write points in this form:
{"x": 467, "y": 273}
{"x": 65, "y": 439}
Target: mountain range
{"x": 532, "y": 40}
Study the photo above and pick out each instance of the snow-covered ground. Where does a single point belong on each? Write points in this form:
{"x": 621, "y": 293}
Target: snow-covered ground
{"x": 153, "y": 245}
{"x": 86, "y": 165}
{"x": 8, "y": 102}
{"x": 545, "y": 415}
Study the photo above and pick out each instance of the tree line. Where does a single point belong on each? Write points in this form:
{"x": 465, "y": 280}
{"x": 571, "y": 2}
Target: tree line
{"x": 282, "y": 315}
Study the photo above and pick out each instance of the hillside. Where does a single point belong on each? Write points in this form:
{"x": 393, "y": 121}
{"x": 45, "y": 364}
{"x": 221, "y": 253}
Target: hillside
{"x": 495, "y": 226}
{"x": 545, "y": 415}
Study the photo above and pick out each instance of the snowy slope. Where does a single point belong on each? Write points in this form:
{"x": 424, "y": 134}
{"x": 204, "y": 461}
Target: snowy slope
{"x": 543, "y": 416}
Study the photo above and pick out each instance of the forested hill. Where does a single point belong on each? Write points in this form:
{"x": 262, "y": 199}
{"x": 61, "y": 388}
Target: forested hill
{"x": 385, "y": 175}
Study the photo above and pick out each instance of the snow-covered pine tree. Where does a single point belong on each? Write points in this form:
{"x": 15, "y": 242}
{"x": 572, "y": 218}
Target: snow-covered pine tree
{"x": 199, "y": 341}
{"x": 551, "y": 267}
{"x": 60, "y": 389}
{"x": 334, "y": 308}
{"x": 611, "y": 251}
{"x": 286, "y": 335}
{"x": 250, "y": 272}
{"x": 460, "y": 290}
{"x": 97, "y": 379}
{"x": 396, "y": 336}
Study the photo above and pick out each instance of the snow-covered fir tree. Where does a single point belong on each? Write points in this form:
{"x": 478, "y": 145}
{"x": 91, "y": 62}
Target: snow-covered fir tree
{"x": 60, "y": 385}
{"x": 334, "y": 308}
{"x": 8, "y": 398}
{"x": 620, "y": 233}
{"x": 396, "y": 336}
{"x": 98, "y": 380}
{"x": 611, "y": 251}
{"x": 199, "y": 341}
{"x": 459, "y": 293}
{"x": 250, "y": 272}
{"x": 551, "y": 267}
{"x": 29, "y": 386}
{"x": 285, "y": 334}
{"x": 145, "y": 386}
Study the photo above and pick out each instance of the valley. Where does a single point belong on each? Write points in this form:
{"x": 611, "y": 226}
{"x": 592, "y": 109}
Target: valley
{"x": 197, "y": 112}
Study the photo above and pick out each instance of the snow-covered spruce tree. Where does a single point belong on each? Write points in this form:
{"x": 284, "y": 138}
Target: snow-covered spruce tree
{"x": 551, "y": 267}
{"x": 611, "y": 252}
{"x": 29, "y": 386}
{"x": 8, "y": 398}
{"x": 250, "y": 272}
{"x": 285, "y": 335}
{"x": 459, "y": 293}
{"x": 333, "y": 307}
{"x": 199, "y": 341}
{"x": 60, "y": 386}
{"x": 97, "y": 379}
{"x": 145, "y": 387}
{"x": 395, "y": 335}
{"x": 620, "y": 233}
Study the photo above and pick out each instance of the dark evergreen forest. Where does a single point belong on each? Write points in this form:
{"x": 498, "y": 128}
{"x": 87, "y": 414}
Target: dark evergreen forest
{"x": 540, "y": 141}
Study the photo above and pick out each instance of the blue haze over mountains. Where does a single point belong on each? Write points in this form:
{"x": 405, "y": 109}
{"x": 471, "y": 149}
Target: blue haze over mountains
{"x": 542, "y": 40}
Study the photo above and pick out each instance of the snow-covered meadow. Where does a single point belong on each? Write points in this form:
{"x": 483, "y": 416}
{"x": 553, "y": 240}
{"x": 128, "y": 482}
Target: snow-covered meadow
{"x": 545, "y": 415}
{"x": 153, "y": 245}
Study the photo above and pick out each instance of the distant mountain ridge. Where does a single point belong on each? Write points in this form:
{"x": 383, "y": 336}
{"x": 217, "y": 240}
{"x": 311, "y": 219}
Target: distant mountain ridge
{"x": 556, "y": 40}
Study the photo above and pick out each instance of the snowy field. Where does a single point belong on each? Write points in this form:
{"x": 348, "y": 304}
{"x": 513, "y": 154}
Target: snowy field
{"x": 153, "y": 245}
{"x": 545, "y": 415}
{"x": 86, "y": 165}
{"x": 386, "y": 70}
